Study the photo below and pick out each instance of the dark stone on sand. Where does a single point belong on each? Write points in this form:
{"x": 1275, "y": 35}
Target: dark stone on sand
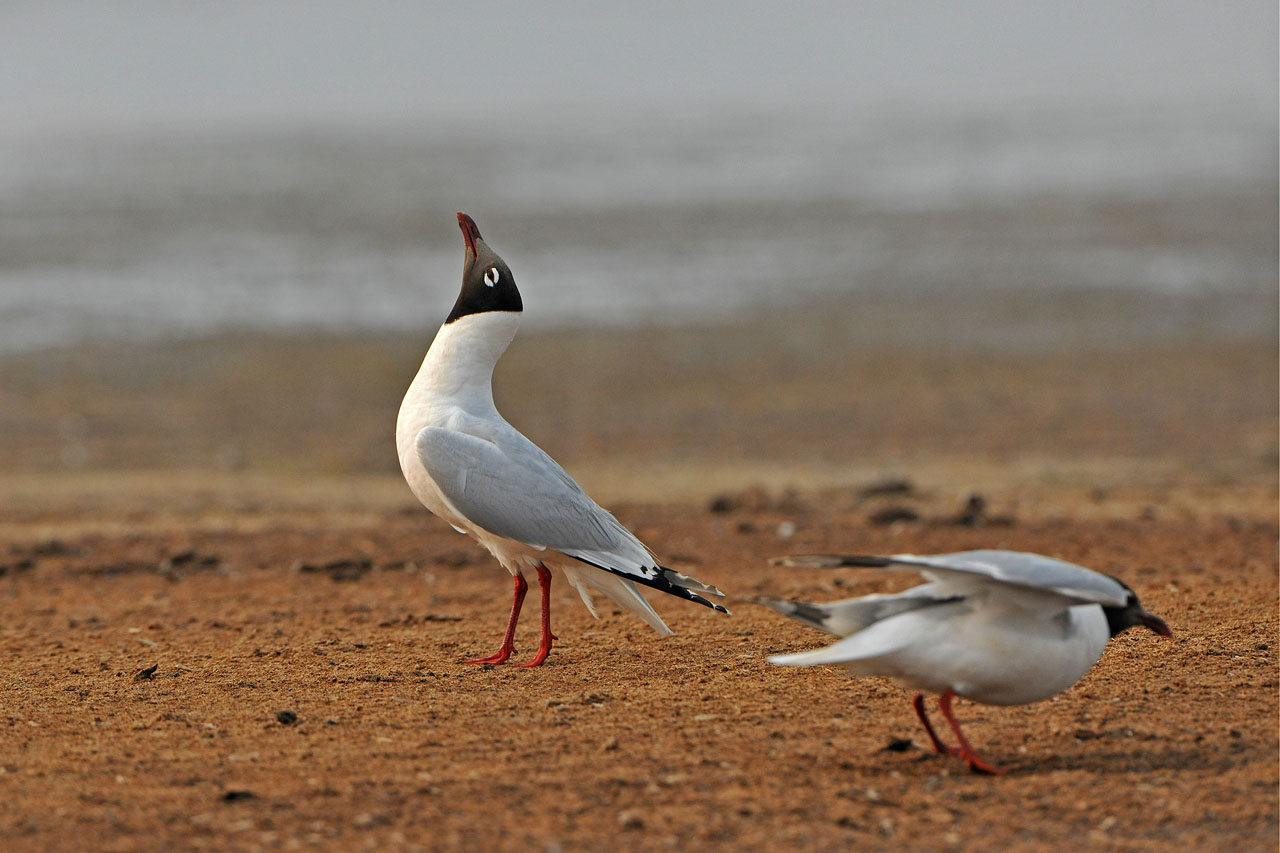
{"x": 893, "y": 515}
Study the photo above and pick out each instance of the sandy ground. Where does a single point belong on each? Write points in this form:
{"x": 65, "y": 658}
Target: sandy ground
{"x": 222, "y": 631}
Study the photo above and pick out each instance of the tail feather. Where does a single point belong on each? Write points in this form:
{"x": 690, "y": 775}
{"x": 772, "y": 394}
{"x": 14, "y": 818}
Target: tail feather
{"x": 813, "y": 615}
{"x": 618, "y": 589}
{"x": 851, "y": 615}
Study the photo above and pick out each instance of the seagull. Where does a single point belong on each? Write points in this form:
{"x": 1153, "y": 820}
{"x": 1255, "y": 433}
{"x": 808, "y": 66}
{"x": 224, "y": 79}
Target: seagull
{"x": 997, "y": 627}
{"x": 477, "y": 472}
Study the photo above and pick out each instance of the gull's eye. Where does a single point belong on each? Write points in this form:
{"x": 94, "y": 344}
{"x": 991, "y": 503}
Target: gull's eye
{"x": 491, "y": 276}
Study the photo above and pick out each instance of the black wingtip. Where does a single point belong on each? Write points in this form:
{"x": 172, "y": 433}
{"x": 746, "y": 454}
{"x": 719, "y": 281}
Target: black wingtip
{"x": 662, "y": 583}
{"x": 813, "y": 615}
{"x": 831, "y": 561}
{"x": 717, "y": 607}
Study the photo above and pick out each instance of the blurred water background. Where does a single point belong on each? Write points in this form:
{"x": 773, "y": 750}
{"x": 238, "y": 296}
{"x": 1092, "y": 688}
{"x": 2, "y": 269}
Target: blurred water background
{"x": 175, "y": 171}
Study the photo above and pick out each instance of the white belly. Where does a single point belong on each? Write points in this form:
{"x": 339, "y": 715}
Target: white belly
{"x": 997, "y": 662}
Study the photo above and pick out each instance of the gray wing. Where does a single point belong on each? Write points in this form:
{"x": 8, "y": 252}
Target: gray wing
{"x": 513, "y": 489}
{"x": 1034, "y": 572}
{"x": 505, "y": 484}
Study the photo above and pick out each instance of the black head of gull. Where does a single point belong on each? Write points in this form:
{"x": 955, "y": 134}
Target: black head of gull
{"x": 1132, "y": 614}
{"x": 487, "y": 282}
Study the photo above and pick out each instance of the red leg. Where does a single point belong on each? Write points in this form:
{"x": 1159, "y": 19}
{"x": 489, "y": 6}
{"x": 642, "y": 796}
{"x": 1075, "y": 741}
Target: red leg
{"x": 967, "y": 752}
{"x": 544, "y": 642}
{"x": 508, "y": 639}
{"x": 938, "y": 746}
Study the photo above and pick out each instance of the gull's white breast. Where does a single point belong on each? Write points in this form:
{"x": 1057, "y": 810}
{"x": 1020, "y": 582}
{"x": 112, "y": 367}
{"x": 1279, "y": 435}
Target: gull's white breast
{"x": 994, "y": 657}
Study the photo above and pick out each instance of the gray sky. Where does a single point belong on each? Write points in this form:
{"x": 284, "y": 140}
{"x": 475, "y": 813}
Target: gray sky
{"x": 153, "y": 60}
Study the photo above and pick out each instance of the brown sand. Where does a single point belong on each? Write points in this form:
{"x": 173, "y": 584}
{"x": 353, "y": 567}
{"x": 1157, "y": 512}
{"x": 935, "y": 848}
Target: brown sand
{"x": 287, "y": 582}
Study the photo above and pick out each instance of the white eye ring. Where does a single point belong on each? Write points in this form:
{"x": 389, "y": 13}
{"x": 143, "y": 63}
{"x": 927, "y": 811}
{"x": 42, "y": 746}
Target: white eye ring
{"x": 491, "y": 276}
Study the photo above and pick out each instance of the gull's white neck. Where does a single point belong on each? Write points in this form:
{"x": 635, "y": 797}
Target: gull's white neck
{"x": 458, "y": 368}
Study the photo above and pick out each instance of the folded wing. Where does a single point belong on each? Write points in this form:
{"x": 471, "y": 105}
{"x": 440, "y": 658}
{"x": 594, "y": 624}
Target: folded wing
{"x": 505, "y": 484}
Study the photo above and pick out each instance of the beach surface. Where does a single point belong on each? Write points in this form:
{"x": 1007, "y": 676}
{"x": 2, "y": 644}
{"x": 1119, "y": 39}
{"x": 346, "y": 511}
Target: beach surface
{"x": 227, "y": 624}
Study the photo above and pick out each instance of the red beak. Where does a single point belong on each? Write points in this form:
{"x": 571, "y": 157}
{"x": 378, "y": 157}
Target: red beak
{"x": 470, "y": 232}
